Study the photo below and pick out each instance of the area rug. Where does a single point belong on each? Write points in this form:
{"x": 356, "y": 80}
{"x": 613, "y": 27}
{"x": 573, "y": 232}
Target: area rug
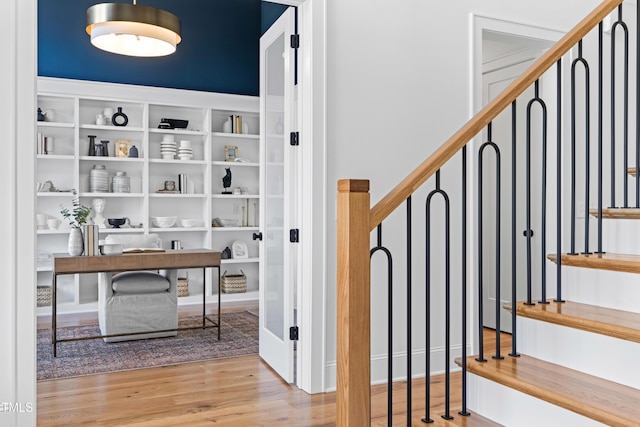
{"x": 239, "y": 337}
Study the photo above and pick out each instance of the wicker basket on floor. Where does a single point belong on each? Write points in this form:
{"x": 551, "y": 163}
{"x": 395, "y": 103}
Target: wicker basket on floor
{"x": 43, "y": 297}
{"x": 233, "y": 283}
{"x": 183, "y": 286}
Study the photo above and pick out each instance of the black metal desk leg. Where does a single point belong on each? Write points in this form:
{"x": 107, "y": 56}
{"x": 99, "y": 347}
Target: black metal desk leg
{"x": 204, "y": 297}
{"x": 219, "y": 304}
{"x": 54, "y": 305}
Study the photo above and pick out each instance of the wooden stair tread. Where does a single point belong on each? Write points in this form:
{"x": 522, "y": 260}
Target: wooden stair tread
{"x": 617, "y": 213}
{"x": 604, "y": 401}
{"x": 608, "y": 261}
{"x": 600, "y": 320}
{"x": 473, "y": 420}
{"x": 631, "y": 171}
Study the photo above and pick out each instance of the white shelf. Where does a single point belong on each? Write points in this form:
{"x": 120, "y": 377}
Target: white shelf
{"x": 174, "y": 229}
{"x": 56, "y": 125}
{"x": 112, "y": 128}
{"x": 236, "y": 135}
{"x": 235, "y": 228}
{"x": 234, "y": 164}
{"x": 56, "y": 231}
{"x": 55, "y": 156}
{"x": 177, "y": 195}
{"x": 235, "y": 196}
{"x": 113, "y": 195}
{"x": 177, "y": 131}
{"x": 124, "y": 230}
{"x": 239, "y": 260}
{"x": 177, "y": 161}
{"x": 112, "y": 159}
{"x": 54, "y": 194}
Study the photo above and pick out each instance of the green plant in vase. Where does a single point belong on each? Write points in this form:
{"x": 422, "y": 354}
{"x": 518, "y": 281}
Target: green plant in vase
{"x": 76, "y": 217}
{"x": 78, "y": 214}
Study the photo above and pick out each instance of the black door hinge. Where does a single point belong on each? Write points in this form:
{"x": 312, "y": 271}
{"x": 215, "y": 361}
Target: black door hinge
{"x": 294, "y": 235}
{"x": 293, "y": 333}
{"x": 295, "y": 41}
{"x": 295, "y": 139}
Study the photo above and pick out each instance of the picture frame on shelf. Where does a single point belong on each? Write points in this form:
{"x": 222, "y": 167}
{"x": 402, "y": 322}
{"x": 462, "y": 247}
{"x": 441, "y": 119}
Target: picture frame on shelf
{"x": 239, "y": 250}
{"x": 230, "y": 153}
{"x": 122, "y": 147}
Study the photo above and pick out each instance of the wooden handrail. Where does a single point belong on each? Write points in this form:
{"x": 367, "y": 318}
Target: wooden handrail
{"x": 424, "y": 171}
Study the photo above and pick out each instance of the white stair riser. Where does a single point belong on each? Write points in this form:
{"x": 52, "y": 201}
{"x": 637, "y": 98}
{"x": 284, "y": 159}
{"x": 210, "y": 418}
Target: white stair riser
{"x": 512, "y": 408}
{"x": 620, "y": 236}
{"x": 599, "y": 355}
{"x": 611, "y": 289}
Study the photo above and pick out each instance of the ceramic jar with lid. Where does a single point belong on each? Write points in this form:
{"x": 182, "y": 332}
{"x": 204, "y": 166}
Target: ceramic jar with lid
{"x": 98, "y": 179}
{"x": 121, "y": 183}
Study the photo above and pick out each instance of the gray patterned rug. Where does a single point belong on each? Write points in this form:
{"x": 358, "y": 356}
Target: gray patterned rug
{"x": 239, "y": 337}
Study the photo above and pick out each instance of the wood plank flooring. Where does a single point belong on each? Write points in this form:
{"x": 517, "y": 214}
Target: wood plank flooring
{"x": 239, "y": 391}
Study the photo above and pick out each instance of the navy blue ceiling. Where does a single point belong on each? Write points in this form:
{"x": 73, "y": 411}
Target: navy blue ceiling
{"x": 219, "y": 51}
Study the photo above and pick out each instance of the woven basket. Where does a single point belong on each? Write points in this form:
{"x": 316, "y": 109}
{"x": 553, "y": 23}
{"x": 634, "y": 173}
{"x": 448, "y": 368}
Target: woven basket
{"x": 233, "y": 283}
{"x": 43, "y": 297}
{"x": 183, "y": 286}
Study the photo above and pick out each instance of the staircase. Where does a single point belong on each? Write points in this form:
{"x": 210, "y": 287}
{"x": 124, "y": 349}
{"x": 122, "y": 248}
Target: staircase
{"x": 577, "y": 342}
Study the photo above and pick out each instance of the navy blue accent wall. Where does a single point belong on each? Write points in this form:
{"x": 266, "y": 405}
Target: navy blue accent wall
{"x": 219, "y": 51}
{"x": 271, "y": 12}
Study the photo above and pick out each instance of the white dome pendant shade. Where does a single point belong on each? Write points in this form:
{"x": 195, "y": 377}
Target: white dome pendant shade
{"x": 129, "y": 29}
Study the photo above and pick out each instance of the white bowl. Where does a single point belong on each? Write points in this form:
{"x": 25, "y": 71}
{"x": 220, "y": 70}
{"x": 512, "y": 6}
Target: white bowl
{"x": 163, "y": 221}
{"x": 111, "y": 248}
{"x": 187, "y": 222}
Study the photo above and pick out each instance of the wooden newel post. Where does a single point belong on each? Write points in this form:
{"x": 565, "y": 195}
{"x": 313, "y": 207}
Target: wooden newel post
{"x": 353, "y": 394}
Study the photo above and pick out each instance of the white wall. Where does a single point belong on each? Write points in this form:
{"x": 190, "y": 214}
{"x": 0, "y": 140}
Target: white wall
{"x": 398, "y": 82}
{"x": 17, "y": 308}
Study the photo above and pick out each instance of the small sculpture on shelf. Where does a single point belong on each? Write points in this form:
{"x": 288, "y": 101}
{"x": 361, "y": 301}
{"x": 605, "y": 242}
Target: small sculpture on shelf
{"x": 98, "y": 208}
{"x": 226, "y": 181}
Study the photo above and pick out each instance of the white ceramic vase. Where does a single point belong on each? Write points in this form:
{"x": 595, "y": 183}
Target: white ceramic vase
{"x": 75, "y": 242}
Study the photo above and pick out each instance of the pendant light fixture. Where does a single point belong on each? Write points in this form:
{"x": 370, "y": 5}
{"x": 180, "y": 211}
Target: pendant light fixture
{"x": 129, "y": 29}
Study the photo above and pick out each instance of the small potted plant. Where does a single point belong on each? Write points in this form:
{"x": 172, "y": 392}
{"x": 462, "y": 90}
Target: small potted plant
{"x": 76, "y": 217}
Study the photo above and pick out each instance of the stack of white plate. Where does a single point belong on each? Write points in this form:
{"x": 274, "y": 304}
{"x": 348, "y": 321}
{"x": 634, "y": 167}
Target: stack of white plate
{"x": 168, "y": 148}
{"x": 185, "y": 152}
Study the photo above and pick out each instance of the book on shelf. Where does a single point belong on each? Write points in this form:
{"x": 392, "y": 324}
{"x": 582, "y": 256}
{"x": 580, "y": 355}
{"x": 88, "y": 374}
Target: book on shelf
{"x": 236, "y": 123}
{"x": 141, "y": 250}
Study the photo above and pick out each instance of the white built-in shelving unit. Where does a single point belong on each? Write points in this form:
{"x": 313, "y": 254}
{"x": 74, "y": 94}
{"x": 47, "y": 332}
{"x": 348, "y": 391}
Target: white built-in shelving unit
{"x": 72, "y": 107}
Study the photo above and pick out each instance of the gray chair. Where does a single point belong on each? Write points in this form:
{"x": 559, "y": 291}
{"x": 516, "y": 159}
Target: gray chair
{"x": 137, "y": 301}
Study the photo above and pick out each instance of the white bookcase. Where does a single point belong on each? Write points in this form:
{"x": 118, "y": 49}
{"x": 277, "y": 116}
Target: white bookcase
{"x": 72, "y": 107}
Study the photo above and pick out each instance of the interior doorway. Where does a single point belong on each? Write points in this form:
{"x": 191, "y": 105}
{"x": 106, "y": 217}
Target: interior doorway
{"x": 502, "y": 51}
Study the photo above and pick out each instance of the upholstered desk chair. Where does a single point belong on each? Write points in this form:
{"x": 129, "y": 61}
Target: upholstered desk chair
{"x": 137, "y": 301}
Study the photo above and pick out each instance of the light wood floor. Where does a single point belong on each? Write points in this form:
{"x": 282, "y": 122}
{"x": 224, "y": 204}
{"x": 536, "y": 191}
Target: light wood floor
{"x": 241, "y": 391}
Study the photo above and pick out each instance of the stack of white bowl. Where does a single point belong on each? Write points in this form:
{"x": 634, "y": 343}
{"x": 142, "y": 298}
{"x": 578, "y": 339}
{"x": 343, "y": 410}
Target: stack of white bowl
{"x": 168, "y": 147}
{"x": 185, "y": 152}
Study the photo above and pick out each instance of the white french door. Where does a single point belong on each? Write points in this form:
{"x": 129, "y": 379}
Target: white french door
{"x": 278, "y": 190}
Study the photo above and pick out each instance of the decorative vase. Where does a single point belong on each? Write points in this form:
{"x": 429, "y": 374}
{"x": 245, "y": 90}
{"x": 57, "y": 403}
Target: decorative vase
{"x": 226, "y": 126}
{"x": 75, "y": 242}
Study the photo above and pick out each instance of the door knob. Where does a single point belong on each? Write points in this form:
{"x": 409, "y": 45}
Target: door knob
{"x": 257, "y": 236}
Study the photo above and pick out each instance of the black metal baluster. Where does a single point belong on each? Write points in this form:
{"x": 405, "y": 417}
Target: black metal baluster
{"x": 543, "y": 256}
{"x": 573, "y": 161}
{"x": 600, "y": 133}
{"x": 496, "y": 150}
{"x": 379, "y": 247}
{"x": 438, "y": 190}
{"x": 409, "y": 300}
{"x": 528, "y": 233}
{"x": 427, "y": 403}
{"x": 559, "y": 181}
{"x": 620, "y": 23}
{"x": 514, "y": 271}
{"x": 580, "y": 60}
{"x": 480, "y": 357}
{"x": 463, "y": 411}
